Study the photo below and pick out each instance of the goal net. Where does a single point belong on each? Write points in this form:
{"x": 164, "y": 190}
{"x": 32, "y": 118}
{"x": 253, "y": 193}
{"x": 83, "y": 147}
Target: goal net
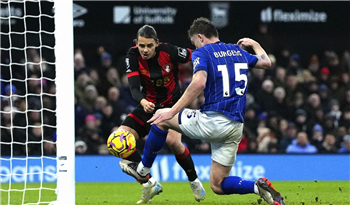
{"x": 37, "y": 102}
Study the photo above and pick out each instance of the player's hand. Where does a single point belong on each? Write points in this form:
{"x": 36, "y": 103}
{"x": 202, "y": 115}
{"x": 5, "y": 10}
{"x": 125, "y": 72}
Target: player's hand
{"x": 147, "y": 106}
{"x": 160, "y": 116}
{"x": 246, "y": 42}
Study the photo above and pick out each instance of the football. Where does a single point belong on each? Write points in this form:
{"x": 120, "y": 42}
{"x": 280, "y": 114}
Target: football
{"x": 121, "y": 143}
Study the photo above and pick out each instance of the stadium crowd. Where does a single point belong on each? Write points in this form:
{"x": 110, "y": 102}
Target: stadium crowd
{"x": 291, "y": 108}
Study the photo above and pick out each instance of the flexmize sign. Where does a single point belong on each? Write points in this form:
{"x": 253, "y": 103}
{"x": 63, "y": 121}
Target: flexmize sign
{"x": 278, "y": 15}
{"x": 165, "y": 168}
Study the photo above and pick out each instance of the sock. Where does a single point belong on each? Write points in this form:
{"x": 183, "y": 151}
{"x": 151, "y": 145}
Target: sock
{"x": 155, "y": 141}
{"x": 237, "y": 185}
{"x": 150, "y": 183}
{"x": 186, "y": 162}
{"x": 142, "y": 170}
{"x": 135, "y": 157}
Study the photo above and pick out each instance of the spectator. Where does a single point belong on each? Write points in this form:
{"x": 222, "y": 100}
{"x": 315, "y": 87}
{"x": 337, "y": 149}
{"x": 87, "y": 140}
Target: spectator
{"x": 317, "y": 136}
{"x": 255, "y": 80}
{"x": 291, "y": 86}
{"x": 80, "y": 147}
{"x": 100, "y": 103}
{"x": 280, "y": 104}
{"x": 328, "y": 124}
{"x": 335, "y": 112}
{"x": 336, "y": 90}
{"x": 109, "y": 121}
{"x": 345, "y": 117}
{"x": 314, "y": 65}
{"x": 340, "y": 133}
{"x": 304, "y": 78}
{"x": 120, "y": 107}
{"x": 328, "y": 145}
{"x": 345, "y": 148}
{"x": 112, "y": 80}
{"x": 288, "y": 137}
{"x": 295, "y": 103}
{"x": 105, "y": 63}
{"x": 280, "y": 79}
{"x": 293, "y": 67}
{"x": 89, "y": 98}
{"x": 324, "y": 75}
{"x": 301, "y": 120}
{"x": 244, "y": 141}
{"x": 265, "y": 96}
{"x": 79, "y": 64}
{"x": 264, "y": 138}
{"x": 301, "y": 145}
{"x": 36, "y": 136}
{"x": 313, "y": 103}
{"x": 324, "y": 93}
{"x": 284, "y": 57}
{"x": 7, "y": 98}
{"x": 251, "y": 120}
{"x": 81, "y": 82}
{"x": 252, "y": 146}
{"x": 282, "y": 128}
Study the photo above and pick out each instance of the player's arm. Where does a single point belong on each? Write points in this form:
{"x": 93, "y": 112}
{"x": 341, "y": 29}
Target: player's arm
{"x": 135, "y": 83}
{"x": 191, "y": 93}
{"x": 179, "y": 54}
{"x": 133, "y": 76}
{"x": 194, "y": 89}
{"x": 263, "y": 59}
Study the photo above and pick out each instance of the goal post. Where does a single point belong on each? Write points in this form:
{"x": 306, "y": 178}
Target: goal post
{"x": 65, "y": 102}
{"x": 37, "y": 139}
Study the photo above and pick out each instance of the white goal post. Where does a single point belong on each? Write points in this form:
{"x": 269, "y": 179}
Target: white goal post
{"x": 37, "y": 102}
{"x": 65, "y": 102}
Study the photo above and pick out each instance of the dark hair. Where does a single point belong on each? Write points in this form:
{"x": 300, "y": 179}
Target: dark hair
{"x": 147, "y": 31}
{"x": 203, "y": 26}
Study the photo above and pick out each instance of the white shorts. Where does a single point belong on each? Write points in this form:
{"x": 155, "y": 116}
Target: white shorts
{"x": 223, "y": 133}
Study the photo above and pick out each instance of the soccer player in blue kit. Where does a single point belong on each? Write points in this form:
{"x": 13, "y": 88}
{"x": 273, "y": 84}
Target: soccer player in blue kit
{"x": 221, "y": 70}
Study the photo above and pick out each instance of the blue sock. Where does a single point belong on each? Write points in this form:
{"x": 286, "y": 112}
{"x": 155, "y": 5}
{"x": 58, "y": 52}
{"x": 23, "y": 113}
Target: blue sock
{"x": 237, "y": 185}
{"x": 155, "y": 141}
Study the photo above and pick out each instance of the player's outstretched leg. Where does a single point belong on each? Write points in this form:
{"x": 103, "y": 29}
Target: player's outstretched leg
{"x": 150, "y": 186}
{"x": 198, "y": 190}
{"x": 268, "y": 193}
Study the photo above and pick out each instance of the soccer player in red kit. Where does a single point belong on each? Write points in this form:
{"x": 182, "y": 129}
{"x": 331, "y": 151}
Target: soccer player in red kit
{"x": 152, "y": 70}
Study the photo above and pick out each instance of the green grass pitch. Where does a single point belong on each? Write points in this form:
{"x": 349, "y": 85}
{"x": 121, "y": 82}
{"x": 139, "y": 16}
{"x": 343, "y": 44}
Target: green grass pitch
{"x": 179, "y": 193}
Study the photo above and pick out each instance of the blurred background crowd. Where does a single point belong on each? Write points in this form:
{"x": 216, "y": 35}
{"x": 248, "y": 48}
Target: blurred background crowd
{"x": 293, "y": 107}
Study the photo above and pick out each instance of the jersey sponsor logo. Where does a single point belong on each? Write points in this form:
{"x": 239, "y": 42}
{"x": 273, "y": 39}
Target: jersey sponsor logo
{"x": 158, "y": 82}
{"x": 182, "y": 52}
{"x": 227, "y": 53}
{"x": 195, "y": 62}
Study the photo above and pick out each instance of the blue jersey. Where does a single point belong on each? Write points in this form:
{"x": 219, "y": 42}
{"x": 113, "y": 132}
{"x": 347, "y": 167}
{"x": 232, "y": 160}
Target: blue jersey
{"x": 227, "y": 67}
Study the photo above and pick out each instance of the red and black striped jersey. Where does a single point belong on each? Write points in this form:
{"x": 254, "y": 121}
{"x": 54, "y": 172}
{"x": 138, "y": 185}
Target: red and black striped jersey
{"x": 156, "y": 79}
